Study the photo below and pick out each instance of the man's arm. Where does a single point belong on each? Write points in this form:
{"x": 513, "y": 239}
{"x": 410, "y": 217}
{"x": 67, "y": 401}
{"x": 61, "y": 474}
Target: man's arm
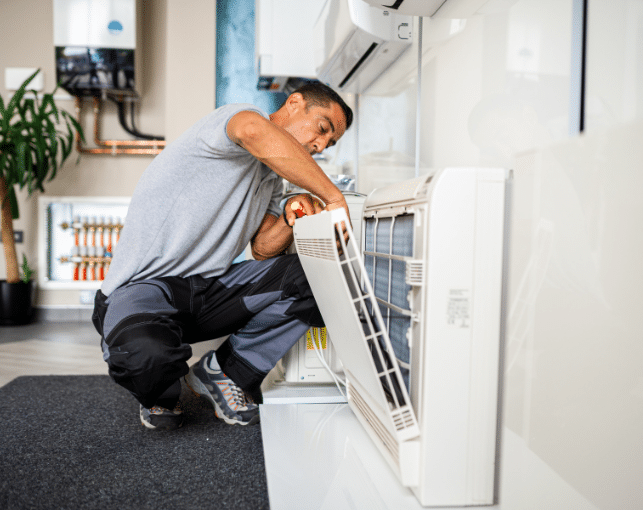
{"x": 274, "y": 234}
{"x": 281, "y": 152}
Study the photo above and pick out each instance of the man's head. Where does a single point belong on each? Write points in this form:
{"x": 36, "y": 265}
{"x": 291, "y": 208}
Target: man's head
{"x": 315, "y": 115}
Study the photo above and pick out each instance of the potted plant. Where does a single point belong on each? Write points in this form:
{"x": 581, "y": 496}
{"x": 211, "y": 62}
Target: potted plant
{"x": 36, "y": 138}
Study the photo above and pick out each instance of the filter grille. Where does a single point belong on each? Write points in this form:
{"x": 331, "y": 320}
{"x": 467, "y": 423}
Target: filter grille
{"x": 414, "y": 272}
{"x": 389, "y": 247}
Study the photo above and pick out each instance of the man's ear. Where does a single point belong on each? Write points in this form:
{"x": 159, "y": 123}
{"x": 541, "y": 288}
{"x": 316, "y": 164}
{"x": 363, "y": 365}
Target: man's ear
{"x": 295, "y": 102}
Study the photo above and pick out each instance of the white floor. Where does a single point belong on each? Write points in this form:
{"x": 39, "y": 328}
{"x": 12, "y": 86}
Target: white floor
{"x": 317, "y": 454}
{"x": 318, "y": 457}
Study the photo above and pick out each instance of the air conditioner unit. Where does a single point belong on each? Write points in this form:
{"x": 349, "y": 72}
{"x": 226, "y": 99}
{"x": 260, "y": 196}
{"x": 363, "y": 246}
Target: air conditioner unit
{"x": 412, "y": 7}
{"x": 439, "y": 8}
{"x": 356, "y": 42}
{"x": 417, "y": 319}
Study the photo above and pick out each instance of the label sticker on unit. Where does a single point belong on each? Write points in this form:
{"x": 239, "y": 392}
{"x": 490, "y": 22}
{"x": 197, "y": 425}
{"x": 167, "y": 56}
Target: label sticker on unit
{"x": 459, "y": 308}
{"x": 317, "y": 335}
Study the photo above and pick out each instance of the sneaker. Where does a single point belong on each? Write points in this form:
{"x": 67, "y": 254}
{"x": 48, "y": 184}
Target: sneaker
{"x": 230, "y": 402}
{"x": 159, "y": 418}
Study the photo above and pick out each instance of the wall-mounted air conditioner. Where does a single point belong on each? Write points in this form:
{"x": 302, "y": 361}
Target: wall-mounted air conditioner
{"x": 417, "y": 319}
{"x": 453, "y": 9}
{"x": 356, "y": 42}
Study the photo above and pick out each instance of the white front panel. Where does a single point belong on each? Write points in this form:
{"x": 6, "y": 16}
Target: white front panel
{"x": 459, "y": 381}
{"x": 95, "y": 23}
{"x": 614, "y": 72}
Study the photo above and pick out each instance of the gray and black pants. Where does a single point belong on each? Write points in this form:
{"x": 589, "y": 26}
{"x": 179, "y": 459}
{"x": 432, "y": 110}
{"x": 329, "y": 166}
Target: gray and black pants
{"x": 147, "y": 326}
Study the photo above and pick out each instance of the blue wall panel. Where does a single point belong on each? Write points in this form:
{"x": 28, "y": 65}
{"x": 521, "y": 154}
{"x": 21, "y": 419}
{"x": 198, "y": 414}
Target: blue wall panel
{"x": 235, "y": 70}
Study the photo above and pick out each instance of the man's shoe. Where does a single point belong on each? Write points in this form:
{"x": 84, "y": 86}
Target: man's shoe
{"x": 159, "y": 418}
{"x": 230, "y": 402}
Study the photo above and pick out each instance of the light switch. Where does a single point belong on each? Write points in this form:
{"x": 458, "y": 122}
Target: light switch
{"x": 15, "y": 76}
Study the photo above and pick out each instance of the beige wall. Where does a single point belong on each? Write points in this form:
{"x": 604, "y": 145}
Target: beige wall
{"x": 177, "y": 85}
{"x": 190, "y": 58}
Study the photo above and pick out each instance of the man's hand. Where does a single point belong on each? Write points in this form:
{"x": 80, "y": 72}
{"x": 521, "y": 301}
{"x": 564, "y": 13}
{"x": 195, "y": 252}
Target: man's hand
{"x": 301, "y": 205}
{"x": 344, "y": 232}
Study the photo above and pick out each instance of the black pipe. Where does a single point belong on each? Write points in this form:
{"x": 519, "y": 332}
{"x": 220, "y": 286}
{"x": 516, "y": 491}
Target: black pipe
{"x": 132, "y": 131}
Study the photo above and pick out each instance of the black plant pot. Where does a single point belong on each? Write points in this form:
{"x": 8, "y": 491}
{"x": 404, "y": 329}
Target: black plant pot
{"x": 15, "y": 303}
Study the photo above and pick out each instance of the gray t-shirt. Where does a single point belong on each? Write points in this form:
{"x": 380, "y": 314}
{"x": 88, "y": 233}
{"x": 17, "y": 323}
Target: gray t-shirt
{"x": 196, "y": 206}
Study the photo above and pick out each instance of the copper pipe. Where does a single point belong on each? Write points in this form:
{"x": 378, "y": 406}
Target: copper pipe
{"x": 116, "y": 146}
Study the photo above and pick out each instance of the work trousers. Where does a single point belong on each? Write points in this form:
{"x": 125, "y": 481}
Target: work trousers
{"x": 147, "y": 326}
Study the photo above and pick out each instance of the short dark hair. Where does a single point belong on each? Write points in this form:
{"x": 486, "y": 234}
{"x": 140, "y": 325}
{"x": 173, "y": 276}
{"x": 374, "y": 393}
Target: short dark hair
{"x": 315, "y": 93}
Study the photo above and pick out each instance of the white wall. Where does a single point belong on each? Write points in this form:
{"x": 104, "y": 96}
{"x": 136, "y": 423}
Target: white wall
{"x": 498, "y": 93}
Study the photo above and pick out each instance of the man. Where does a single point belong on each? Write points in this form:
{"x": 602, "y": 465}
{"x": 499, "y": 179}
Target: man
{"x": 172, "y": 283}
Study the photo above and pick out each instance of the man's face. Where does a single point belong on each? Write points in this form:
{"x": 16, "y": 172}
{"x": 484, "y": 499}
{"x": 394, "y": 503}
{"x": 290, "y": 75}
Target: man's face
{"x": 316, "y": 128}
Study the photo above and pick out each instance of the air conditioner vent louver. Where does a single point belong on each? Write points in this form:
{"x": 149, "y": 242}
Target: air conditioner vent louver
{"x": 318, "y": 248}
{"x": 414, "y": 272}
{"x": 403, "y": 420}
{"x": 356, "y": 67}
{"x": 376, "y": 425}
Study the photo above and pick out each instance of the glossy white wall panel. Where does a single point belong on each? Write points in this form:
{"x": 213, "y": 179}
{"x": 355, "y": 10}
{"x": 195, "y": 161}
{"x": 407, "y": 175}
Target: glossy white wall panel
{"x": 456, "y": 78}
{"x": 574, "y": 350}
{"x": 537, "y": 36}
{"x": 499, "y": 87}
{"x": 614, "y": 90}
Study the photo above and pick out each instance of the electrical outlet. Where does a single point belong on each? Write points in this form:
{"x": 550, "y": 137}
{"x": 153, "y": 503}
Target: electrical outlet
{"x": 18, "y": 236}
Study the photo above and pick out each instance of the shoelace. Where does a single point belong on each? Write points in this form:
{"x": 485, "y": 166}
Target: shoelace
{"x": 237, "y": 395}
{"x": 161, "y": 410}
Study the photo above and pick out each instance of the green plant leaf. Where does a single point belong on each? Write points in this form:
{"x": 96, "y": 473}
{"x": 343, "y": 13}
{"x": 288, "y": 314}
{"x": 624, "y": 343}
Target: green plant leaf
{"x": 27, "y": 272}
{"x": 34, "y": 140}
{"x": 4, "y": 161}
{"x": 48, "y": 100}
{"x": 13, "y": 200}
{"x": 21, "y": 160}
{"x": 74, "y": 123}
{"x": 66, "y": 151}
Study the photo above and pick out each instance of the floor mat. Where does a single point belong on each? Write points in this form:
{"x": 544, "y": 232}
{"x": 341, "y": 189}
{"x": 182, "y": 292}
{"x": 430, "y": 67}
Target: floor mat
{"x": 77, "y": 442}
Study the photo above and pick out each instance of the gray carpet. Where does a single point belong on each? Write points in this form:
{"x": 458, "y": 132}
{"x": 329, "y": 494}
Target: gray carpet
{"x": 76, "y": 442}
